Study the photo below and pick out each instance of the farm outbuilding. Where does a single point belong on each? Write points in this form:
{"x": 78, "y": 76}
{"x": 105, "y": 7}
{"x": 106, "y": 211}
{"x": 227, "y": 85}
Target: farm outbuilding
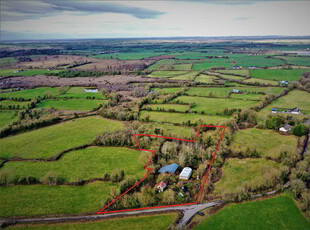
{"x": 186, "y": 173}
{"x": 286, "y": 128}
{"x": 169, "y": 168}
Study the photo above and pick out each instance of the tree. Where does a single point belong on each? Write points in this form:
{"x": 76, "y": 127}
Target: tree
{"x": 297, "y": 187}
{"x": 274, "y": 122}
{"x": 300, "y": 130}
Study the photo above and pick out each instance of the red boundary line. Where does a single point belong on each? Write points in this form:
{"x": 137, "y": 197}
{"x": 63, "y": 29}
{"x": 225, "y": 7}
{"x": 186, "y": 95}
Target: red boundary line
{"x": 149, "y": 170}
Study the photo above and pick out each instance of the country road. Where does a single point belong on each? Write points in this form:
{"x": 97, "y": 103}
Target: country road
{"x": 188, "y": 212}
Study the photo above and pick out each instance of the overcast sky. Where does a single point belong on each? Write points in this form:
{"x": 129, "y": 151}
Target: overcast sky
{"x": 49, "y": 19}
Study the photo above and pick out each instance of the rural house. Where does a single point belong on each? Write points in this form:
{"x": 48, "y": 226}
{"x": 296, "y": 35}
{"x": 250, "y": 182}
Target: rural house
{"x": 161, "y": 186}
{"x": 236, "y": 91}
{"x": 186, "y": 173}
{"x": 286, "y": 128}
{"x": 274, "y": 110}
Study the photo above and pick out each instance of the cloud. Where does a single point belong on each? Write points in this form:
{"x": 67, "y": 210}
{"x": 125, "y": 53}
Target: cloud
{"x": 242, "y": 18}
{"x": 19, "y": 10}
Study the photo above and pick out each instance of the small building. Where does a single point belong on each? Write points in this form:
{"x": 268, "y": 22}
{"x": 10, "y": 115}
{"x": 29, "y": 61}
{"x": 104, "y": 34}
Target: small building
{"x": 186, "y": 173}
{"x": 274, "y": 110}
{"x": 295, "y": 111}
{"x": 283, "y": 83}
{"x": 169, "y": 168}
{"x": 161, "y": 186}
{"x": 237, "y": 67}
{"x": 286, "y": 128}
{"x": 252, "y": 67}
{"x": 235, "y": 91}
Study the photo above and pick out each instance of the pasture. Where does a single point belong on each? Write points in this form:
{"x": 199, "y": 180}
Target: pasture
{"x": 231, "y": 77}
{"x": 237, "y": 172}
{"x": 129, "y": 56}
{"x": 166, "y": 74}
{"x": 165, "y": 91}
{"x": 215, "y": 105}
{"x": 158, "y": 222}
{"x": 50, "y": 141}
{"x": 243, "y": 72}
{"x": 206, "y": 79}
{"x": 168, "y": 107}
{"x": 179, "y": 118}
{"x": 8, "y": 104}
{"x": 268, "y": 143}
{"x": 72, "y": 167}
{"x": 7, "y": 117}
{"x": 275, "y": 213}
{"x": 293, "y": 60}
{"x": 170, "y": 130}
{"x": 164, "y": 64}
{"x": 72, "y": 104}
{"x": 79, "y": 92}
{"x": 277, "y": 74}
{"x": 187, "y": 67}
{"x": 261, "y": 81}
{"x": 34, "y": 200}
{"x": 212, "y": 63}
{"x": 186, "y": 77}
{"x": 32, "y": 72}
{"x": 33, "y": 93}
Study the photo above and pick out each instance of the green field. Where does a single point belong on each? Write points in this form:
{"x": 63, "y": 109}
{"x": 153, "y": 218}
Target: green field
{"x": 32, "y": 93}
{"x": 7, "y": 61}
{"x": 295, "y": 98}
{"x": 277, "y": 74}
{"x": 187, "y": 77}
{"x": 267, "y": 142}
{"x": 72, "y": 104}
{"x": 129, "y": 56}
{"x": 213, "y": 63}
{"x": 49, "y": 141}
{"x": 206, "y": 78}
{"x": 78, "y": 92}
{"x": 164, "y": 64}
{"x": 170, "y": 130}
{"x": 261, "y": 81}
{"x": 187, "y": 67}
{"x": 296, "y": 60}
{"x": 230, "y": 77}
{"x": 6, "y": 104}
{"x": 7, "y": 117}
{"x": 276, "y": 213}
{"x": 158, "y": 222}
{"x": 243, "y": 72}
{"x": 216, "y": 105}
{"x": 238, "y": 171}
{"x": 246, "y": 60}
{"x": 179, "y": 118}
{"x": 166, "y": 74}
{"x": 32, "y": 72}
{"x": 34, "y": 200}
{"x": 167, "y": 90}
{"x": 72, "y": 167}
{"x": 167, "y": 107}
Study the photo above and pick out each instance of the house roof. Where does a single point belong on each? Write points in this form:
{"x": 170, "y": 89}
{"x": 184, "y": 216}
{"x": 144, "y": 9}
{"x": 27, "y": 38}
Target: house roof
{"x": 162, "y": 184}
{"x": 186, "y": 172}
{"x": 169, "y": 168}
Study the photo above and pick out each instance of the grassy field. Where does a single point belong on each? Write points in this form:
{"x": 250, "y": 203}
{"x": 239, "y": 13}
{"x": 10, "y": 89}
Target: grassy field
{"x": 167, "y": 107}
{"x": 261, "y": 81}
{"x": 297, "y": 60}
{"x": 187, "y": 77}
{"x": 237, "y": 171}
{"x": 7, "y": 61}
{"x": 275, "y": 213}
{"x": 72, "y": 104}
{"x": 34, "y": 200}
{"x": 78, "y": 92}
{"x": 166, "y": 74}
{"x": 267, "y": 142}
{"x": 212, "y": 63}
{"x": 295, "y": 98}
{"x": 5, "y": 104}
{"x": 277, "y": 74}
{"x": 246, "y": 60}
{"x": 206, "y": 78}
{"x": 230, "y": 77}
{"x": 157, "y": 222}
{"x": 179, "y": 118}
{"x": 85, "y": 164}
{"x": 216, "y": 105}
{"x": 49, "y": 141}
{"x": 7, "y": 117}
{"x": 164, "y": 64}
{"x": 167, "y": 90}
{"x": 32, "y": 93}
{"x": 243, "y": 72}
{"x": 129, "y": 56}
{"x": 187, "y": 67}
{"x": 181, "y": 131}
{"x": 32, "y": 72}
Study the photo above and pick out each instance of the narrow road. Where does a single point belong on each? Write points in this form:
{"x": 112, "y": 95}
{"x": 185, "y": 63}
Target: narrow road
{"x": 306, "y": 150}
{"x": 188, "y": 211}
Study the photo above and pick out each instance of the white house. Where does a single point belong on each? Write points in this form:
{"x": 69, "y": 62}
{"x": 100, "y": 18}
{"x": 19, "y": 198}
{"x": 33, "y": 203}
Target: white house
{"x": 285, "y": 128}
{"x": 296, "y": 111}
{"x": 186, "y": 173}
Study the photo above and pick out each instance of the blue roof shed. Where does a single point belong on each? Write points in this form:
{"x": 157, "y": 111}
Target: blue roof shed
{"x": 169, "y": 168}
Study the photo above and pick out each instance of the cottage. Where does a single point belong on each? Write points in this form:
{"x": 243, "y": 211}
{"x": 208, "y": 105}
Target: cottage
{"x": 186, "y": 173}
{"x": 169, "y": 168}
{"x": 237, "y": 67}
{"x": 295, "y": 111}
{"x": 161, "y": 186}
{"x": 274, "y": 110}
{"x": 252, "y": 67}
{"x": 286, "y": 128}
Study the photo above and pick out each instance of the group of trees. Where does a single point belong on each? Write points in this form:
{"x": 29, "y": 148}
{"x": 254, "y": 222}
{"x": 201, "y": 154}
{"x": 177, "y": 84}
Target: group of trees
{"x": 78, "y": 73}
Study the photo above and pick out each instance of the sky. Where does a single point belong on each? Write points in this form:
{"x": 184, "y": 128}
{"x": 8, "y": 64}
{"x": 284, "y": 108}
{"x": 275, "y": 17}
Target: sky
{"x": 69, "y": 19}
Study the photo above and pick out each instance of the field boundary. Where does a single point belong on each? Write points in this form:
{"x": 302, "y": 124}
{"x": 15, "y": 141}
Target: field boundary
{"x": 150, "y": 170}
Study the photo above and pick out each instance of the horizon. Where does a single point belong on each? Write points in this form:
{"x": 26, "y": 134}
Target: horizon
{"x": 73, "y": 20}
